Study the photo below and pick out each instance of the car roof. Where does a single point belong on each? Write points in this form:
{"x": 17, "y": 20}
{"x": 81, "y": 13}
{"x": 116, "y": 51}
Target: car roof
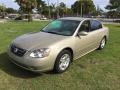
{"x": 75, "y": 18}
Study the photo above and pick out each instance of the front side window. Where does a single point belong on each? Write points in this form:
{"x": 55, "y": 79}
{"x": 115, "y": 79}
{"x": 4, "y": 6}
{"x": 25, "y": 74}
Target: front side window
{"x": 62, "y": 27}
{"x": 85, "y": 26}
{"x": 95, "y": 25}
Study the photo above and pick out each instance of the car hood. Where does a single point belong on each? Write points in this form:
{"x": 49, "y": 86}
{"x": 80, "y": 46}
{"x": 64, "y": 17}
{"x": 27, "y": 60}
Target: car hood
{"x": 35, "y": 40}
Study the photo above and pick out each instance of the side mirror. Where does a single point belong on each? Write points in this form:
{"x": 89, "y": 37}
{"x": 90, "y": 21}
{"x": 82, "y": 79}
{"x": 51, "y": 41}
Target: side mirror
{"x": 83, "y": 33}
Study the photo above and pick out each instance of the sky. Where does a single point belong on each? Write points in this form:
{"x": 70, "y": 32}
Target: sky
{"x": 100, "y": 3}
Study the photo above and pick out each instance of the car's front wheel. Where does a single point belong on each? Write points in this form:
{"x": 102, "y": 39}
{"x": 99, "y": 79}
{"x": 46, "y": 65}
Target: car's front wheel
{"x": 63, "y": 61}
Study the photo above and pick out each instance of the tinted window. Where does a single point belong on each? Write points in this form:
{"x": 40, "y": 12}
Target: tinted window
{"x": 85, "y": 26}
{"x": 95, "y": 25}
{"x": 62, "y": 27}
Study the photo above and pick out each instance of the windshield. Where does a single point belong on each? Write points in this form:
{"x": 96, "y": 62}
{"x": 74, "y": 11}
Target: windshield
{"x": 62, "y": 27}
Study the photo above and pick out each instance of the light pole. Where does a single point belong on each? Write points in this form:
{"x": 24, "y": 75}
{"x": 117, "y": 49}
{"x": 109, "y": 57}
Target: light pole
{"x": 66, "y": 7}
{"x": 58, "y": 9}
{"x": 40, "y": 9}
{"x": 81, "y": 9}
{"x": 49, "y": 9}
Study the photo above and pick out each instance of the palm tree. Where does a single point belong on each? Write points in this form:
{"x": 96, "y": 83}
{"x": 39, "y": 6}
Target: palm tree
{"x": 27, "y": 6}
{"x": 2, "y": 10}
{"x": 53, "y": 10}
{"x": 40, "y": 5}
{"x": 62, "y": 9}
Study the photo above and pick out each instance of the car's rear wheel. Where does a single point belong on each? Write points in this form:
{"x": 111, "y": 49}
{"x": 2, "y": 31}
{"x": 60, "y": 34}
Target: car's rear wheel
{"x": 102, "y": 43}
{"x": 63, "y": 61}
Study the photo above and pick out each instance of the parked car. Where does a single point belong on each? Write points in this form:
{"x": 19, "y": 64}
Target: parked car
{"x": 57, "y": 45}
{"x": 43, "y": 18}
{"x": 6, "y": 17}
{"x": 117, "y": 21}
{"x": 12, "y": 16}
{"x": 19, "y": 18}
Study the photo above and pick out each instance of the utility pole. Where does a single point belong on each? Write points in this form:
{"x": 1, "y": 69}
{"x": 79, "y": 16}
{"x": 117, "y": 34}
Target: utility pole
{"x": 49, "y": 9}
{"x": 66, "y": 7}
{"x": 58, "y": 9}
{"x": 81, "y": 9}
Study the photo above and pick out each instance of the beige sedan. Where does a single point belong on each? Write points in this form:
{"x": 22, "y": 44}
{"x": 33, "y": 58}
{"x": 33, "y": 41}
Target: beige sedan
{"x": 58, "y": 44}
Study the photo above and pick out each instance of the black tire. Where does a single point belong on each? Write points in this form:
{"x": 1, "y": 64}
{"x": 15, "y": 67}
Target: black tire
{"x": 101, "y": 46}
{"x": 57, "y": 68}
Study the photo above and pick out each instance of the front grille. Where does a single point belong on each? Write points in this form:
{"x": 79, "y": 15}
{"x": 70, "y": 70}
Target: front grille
{"x": 17, "y": 51}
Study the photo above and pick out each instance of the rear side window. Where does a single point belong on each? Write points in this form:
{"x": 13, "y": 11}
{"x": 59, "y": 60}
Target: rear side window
{"x": 95, "y": 25}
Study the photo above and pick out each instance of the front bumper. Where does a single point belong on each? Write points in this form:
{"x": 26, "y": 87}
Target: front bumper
{"x": 32, "y": 64}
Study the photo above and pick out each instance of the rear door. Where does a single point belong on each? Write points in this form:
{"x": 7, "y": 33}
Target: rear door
{"x": 96, "y": 32}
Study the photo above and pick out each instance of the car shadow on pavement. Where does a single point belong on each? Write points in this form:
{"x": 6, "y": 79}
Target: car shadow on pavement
{"x": 8, "y": 67}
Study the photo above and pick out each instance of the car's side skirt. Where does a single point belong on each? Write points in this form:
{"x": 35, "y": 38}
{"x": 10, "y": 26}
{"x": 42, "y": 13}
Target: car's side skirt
{"x": 86, "y": 53}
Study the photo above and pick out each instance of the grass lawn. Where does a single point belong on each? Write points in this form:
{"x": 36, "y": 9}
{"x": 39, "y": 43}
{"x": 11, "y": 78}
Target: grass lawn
{"x": 99, "y": 70}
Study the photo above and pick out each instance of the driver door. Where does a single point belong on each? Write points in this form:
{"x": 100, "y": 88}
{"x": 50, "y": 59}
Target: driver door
{"x": 83, "y": 43}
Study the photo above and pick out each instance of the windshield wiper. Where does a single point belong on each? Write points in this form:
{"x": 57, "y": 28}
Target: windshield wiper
{"x": 52, "y": 32}
{"x": 49, "y": 32}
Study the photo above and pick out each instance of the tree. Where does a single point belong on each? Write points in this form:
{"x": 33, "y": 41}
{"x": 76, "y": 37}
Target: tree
{"x": 40, "y": 5}
{"x": 114, "y": 8}
{"x": 27, "y": 6}
{"x": 83, "y": 7}
{"x": 69, "y": 12}
{"x": 99, "y": 11}
{"x": 62, "y": 9}
{"x": 2, "y": 10}
{"x": 10, "y": 10}
{"x": 53, "y": 11}
{"x": 113, "y": 4}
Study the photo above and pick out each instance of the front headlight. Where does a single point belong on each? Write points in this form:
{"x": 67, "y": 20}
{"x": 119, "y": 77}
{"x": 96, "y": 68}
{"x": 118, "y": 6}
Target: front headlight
{"x": 40, "y": 53}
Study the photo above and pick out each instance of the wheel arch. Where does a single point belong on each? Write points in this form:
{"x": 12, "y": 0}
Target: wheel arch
{"x": 69, "y": 49}
{"x": 66, "y": 48}
{"x": 105, "y": 38}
